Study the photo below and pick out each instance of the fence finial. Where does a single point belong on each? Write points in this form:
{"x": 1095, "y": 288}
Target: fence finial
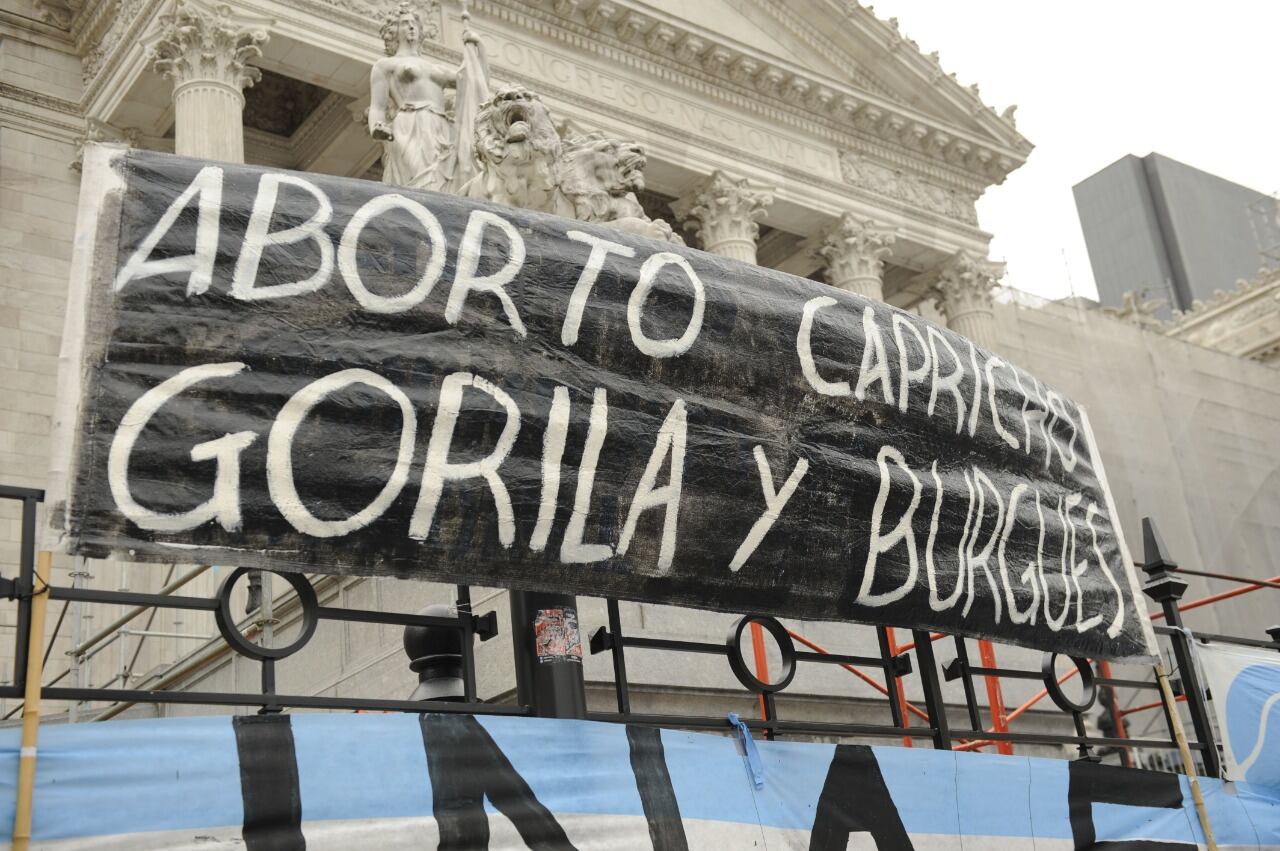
{"x": 1154, "y": 556}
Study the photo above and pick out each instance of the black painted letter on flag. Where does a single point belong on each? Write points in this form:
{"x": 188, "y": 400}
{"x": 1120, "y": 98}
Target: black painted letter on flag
{"x": 269, "y": 783}
{"x": 855, "y": 799}
{"x": 467, "y": 766}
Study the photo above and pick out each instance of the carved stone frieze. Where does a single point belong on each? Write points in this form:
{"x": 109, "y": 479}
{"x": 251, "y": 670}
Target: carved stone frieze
{"x": 857, "y": 170}
{"x": 428, "y": 10}
{"x": 1244, "y": 322}
{"x": 207, "y": 44}
{"x": 59, "y": 13}
{"x": 121, "y": 19}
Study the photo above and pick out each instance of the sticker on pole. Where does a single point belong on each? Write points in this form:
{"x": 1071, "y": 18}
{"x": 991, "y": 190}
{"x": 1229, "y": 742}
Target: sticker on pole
{"x": 556, "y": 637}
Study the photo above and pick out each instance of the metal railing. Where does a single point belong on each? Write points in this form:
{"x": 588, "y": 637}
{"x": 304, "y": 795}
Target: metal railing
{"x": 942, "y": 725}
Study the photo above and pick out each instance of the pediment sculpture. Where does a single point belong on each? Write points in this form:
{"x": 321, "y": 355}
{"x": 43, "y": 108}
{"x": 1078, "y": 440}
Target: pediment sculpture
{"x": 497, "y": 144}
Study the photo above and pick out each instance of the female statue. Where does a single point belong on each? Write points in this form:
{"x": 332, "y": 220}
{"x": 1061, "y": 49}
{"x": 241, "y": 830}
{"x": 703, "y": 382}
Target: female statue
{"x": 418, "y": 141}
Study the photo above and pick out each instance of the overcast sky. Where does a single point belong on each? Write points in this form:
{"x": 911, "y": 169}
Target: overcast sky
{"x": 1094, "y": 81}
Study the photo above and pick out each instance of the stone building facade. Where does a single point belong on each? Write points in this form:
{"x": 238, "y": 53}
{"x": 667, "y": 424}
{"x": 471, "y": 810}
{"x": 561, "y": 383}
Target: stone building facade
{"x": 810, "y": 136}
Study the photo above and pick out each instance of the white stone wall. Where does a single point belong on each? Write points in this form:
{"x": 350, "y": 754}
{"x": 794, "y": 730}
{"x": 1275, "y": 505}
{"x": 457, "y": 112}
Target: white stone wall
{"x": 1189, "y": 436}
{"x": 40, "y": 91}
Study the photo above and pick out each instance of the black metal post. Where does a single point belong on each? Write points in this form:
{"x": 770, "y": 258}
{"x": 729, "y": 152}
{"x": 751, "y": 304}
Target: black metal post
{"x": 468, "y": 644}
{"x": 620, "y": 684}
{"x": 770, "y": 715}
{"x": 932, "y": 690}
{"x": 1167, "y": 589}
{"x": 959, "y": 668}
{"x": 547, "y": 645}
{"x": 26, "y": 581}
{"x": 269, "y": 688}
{"x": 890, "y": 678}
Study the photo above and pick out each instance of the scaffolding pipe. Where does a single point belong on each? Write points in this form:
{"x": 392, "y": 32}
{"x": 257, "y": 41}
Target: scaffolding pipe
{"x": 77, "y": 635}
{"x": 818, "y": 648}
{"x": 1216, "y": 598}
{"x": 104, "y": 633}
{"x": 995, "y": 696}
{"x": 762, "y": 664}
{"x": 31, "y": 706}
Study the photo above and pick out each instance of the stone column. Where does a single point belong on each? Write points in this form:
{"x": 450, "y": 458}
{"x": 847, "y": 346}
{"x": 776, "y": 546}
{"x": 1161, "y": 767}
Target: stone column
{"x": 963, "y": 292}
{"x": 204, "y": 50}
{"x": 723, "y": 211}
{"x": 854, "y": 250}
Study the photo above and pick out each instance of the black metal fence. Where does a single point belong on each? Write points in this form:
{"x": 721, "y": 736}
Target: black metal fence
{"x": 442, "y": 647}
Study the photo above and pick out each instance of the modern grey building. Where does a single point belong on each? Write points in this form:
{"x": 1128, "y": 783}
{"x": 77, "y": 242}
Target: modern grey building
{"x": 1156, "y": 225}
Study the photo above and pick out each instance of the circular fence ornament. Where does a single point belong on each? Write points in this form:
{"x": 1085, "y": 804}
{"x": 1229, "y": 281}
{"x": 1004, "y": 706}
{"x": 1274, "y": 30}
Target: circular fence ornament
{"x": 1088, "y": 688}
{"x": 733, "y": 649}
{"x": 227, "y": 622}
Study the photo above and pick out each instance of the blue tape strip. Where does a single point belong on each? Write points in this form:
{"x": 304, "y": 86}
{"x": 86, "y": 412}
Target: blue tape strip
{"x": 749, "y": 746}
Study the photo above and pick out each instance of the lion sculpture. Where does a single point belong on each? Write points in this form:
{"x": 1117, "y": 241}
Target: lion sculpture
{"x": 599, "y": 179}
{"x": 516, "y": 147}
{"x": 523, "y": 163}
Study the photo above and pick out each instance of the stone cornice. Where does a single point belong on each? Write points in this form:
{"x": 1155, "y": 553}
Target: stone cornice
{"x": 1244, "y": 295}
{"x": 25, "y": 121}
{"x": 795, "y": 176}
{"x": 929, "y": 68}
{"x": 658, "y": 61}
{"x": 14, "y": 25}
{"x": 1244, "y": 322}
{"x": 772, "y": 88}
{"x": 822, "y": 45}
{"x": 44, "y": 101}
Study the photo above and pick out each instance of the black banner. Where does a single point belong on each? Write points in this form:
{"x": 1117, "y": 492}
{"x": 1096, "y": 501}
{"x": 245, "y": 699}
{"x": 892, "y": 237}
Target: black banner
{"x": 307, "y": 372}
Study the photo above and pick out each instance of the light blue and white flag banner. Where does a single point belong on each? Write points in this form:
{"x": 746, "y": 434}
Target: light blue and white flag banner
{"x": 1245, "y": 685}
{"x": 456, "y": 782}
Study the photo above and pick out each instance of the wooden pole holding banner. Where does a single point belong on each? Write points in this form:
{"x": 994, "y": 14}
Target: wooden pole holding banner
{"x": 31, "y": 706}
{"x": 1180, "y": 736}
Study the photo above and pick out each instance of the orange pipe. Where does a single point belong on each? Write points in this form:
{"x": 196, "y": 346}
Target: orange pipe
{"x": 1039, "y": 696}
{"x": 1117, "y": 717}
{"x": 1144, "y": 707}
{"x": 762, "y": 662}
{"x": 813, "y": 645}
{"x": 995, "y": 696}
{"x": 1215, "y": 598}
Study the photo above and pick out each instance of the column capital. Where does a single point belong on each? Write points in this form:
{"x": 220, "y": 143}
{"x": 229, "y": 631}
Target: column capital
{"x": 854, "y": 250}
{"x": 208, "y": 43}
{"x": 964, "y": 286}
{"x": 723, "y": 212}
